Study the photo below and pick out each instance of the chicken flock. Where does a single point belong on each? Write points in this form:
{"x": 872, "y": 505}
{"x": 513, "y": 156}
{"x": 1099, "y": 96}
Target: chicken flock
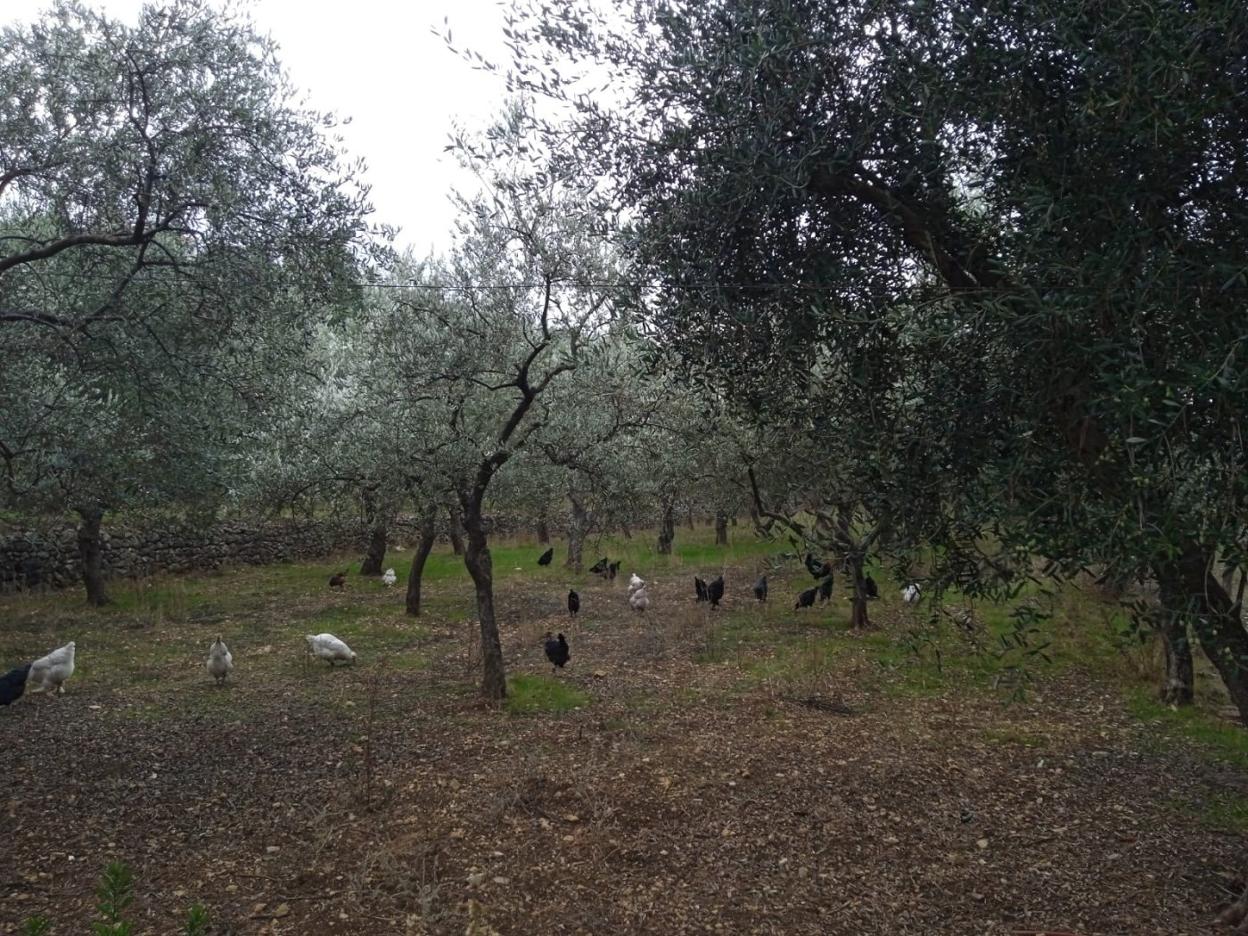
{"x": 49, "y": 673}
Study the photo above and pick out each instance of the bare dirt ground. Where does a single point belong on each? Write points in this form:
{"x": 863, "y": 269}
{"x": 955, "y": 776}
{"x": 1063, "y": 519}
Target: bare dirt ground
{"x": 707, "y": 786}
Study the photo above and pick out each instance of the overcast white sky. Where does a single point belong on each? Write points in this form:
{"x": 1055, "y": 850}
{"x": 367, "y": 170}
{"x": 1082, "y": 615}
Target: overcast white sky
{"x": 377, "y": 62}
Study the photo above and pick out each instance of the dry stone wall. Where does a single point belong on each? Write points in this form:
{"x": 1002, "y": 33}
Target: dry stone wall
{"x": 48, "y": 557}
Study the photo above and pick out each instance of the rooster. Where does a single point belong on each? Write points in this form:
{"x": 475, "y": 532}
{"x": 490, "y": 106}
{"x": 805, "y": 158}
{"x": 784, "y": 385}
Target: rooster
{"x": 715, "y": 591}
{"x": 389, "y": 578}
{"x": 557, "y": 652}
{"x": 816, "y": 568}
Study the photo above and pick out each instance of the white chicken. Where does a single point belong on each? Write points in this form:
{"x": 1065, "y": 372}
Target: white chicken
{"x": 48, "y": 674}
{"x": 329, "y": 648}
{"x": 389, "y": 578}
{"x": 220, "y": 661}
{"x": 635, "y": 582}
{"x": 911, "y": 593}
{"x": 639, "y": 600}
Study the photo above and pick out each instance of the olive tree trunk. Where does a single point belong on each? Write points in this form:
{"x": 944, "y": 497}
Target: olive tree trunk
{"x": 1192, "y": 594}
{"x": 543, "y": 531}
{"x": 578, "y": 524}
{"x": 452, "y": 531}
{"x": 667, "y": 530}
{"x": 1179, "y": 686}
{"x": 721, "y": 529}
{"x": 90, "y": 553}
{"x": 375, "y": 555}
{"x": 858, "y": 618}
{"x": 481, "y": 568}
{"x": 428, "y": 536}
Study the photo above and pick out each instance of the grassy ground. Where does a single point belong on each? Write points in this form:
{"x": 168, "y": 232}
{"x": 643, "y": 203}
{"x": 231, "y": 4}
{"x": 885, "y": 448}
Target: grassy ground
{"x": 752, "y": 769}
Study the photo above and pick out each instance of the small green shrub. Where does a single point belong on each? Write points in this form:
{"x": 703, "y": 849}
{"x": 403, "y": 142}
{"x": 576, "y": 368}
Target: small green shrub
{"x": 116, "y": 893}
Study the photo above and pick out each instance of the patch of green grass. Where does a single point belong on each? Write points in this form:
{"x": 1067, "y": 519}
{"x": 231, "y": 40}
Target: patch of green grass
{"x": 1224, "y": 812}
{"x": 528, "y": 694}
{"x": 1220, "y": 740}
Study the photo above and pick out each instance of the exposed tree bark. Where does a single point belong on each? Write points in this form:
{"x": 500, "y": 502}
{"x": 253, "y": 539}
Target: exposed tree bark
{"x": 375, "y": 556}
{"x": 1179, "y": 685}
{"x": 543, "y": 531}
{"x": 1191, "y": 594}
{"x": 858, "y": 619}
{"x": 625, "y": 531}
{"x": 689, "y": 521}
{"x": 721, "y": 529}
{"x": 481, "y": 568}
{"x": 428, "y": 536}
{"x": 452, "y": 531}
{"x": 667, "y": 530}
{"x": 578, "y": 523}
{"x": 90, "y": 553}
{"x": 855, "y": 558}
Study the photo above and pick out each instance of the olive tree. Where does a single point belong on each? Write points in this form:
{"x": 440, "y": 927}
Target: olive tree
{"x": 1036, "y": 213}
{"x": 172, "y": 222}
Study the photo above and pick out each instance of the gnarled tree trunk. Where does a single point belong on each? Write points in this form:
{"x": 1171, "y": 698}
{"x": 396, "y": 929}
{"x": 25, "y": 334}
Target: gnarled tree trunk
{"x": 578, "y": 523}
{"x": 543, "y": 531}
{"x": 1192, "y": 594}
{"x": 481, "y": 568}
{"x": 375, "y": 556}
{"x": 428, "y": 536}
{"x": 90, "y": 553}
{"x": 1179, "y": 685}
{"x": 452, "y": 531}
{"x": 721, "y": 529}
{"x": 667, "y": 530}
{"x": 858, "y": 614}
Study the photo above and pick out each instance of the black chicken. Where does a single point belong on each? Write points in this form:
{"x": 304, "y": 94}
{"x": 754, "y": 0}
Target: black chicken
{"x": 699, "y": 586}
{"x": 760, "y": 588}
{"x": 816, "y": 568}
{"x": 544, "y": 558}
{"x": 613, "y": 569}
{"x": 870, "y": 588}
{"x": 557, "y": 651}
{"x": 338, "y": 581}
{"x": 806, "y": 598}
{"x": 13, "y": 684}
{"x": 574, "y": 603}
{"x": 825, "y": 589}
{"x": 600, "y": 566}
{"x": 715, "y": 591}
